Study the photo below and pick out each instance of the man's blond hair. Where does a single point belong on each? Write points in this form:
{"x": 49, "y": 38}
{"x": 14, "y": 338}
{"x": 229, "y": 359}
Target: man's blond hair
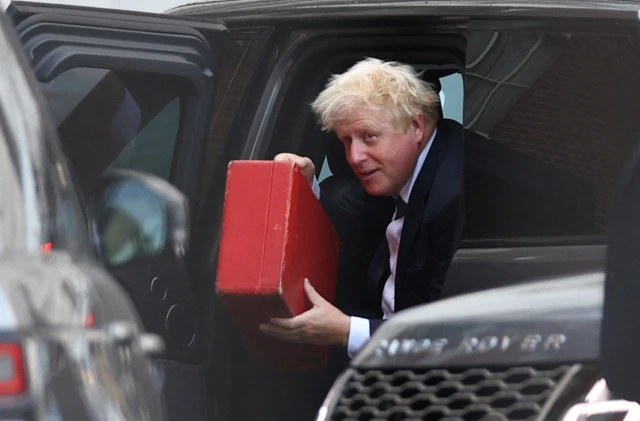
{"x": 393, "y": 87}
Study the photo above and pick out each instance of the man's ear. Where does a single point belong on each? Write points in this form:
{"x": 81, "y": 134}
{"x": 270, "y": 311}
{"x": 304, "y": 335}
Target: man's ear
{"x": 418, "y": 127}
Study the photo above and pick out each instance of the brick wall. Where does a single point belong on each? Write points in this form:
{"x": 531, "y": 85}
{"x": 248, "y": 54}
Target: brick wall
{"x": 583, "y": 114}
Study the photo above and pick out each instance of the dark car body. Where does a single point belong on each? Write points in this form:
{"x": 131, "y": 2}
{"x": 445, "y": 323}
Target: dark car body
{"x": 546, "y": 92}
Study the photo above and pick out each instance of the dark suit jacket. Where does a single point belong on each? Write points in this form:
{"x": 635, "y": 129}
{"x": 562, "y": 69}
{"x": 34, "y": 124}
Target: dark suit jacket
{"x": 432, "y": 227}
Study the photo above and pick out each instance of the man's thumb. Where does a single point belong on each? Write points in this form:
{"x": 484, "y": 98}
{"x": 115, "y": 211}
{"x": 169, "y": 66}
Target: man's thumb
{"x": 315, "y": 298}
{"x": 284, "y": 157}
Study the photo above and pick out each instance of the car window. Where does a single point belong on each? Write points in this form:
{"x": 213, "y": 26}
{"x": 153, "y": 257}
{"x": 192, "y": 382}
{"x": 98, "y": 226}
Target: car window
{"x": 152, "y": 149}
{"x": 452, "y": 96}
{"x": 550, "y": 119}
{"x": 118, "y": 120}
{"x": 109, "y": 119}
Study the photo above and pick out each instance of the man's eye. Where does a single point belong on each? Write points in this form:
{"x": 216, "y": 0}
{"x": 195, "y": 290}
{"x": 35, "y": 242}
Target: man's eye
{"x": 370, "y": 136}
{"x": 346, "y": 140}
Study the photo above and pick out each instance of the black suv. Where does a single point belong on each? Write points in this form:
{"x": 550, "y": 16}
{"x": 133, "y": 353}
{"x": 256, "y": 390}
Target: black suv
{"x": 546, "y": 92}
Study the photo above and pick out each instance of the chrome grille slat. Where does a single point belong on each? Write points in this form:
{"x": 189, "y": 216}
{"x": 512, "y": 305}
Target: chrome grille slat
{"x": 477, "y": 394}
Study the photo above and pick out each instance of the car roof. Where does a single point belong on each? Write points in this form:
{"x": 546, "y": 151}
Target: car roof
{"x": 314, "y": 9}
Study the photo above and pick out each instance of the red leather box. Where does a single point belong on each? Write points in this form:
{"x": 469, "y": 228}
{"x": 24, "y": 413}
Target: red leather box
{"x": 275, "y": 234}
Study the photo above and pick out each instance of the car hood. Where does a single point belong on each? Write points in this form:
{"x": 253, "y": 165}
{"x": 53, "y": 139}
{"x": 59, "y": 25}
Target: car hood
{"x": 556, "y": 320}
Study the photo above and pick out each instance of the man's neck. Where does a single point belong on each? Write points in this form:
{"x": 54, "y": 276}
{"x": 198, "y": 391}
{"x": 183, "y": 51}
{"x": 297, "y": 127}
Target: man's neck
{"x": 405, "y": 192}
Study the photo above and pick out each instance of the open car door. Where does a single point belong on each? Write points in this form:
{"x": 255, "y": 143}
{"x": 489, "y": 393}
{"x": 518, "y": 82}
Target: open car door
{"x": 132, "y": 91}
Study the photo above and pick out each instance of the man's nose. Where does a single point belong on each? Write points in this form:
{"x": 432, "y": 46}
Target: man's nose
{"x": 357, "y": 152}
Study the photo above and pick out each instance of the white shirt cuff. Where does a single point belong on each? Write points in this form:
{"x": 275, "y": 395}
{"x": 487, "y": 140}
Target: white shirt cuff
{"x": 358, "y": 335}
{"x": 315, "y": 186}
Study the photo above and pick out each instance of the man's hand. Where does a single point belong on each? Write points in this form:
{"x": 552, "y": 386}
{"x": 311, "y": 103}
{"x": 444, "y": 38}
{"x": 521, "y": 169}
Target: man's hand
{"x": 322, "y": 325}
{"x": 305, "y": 164}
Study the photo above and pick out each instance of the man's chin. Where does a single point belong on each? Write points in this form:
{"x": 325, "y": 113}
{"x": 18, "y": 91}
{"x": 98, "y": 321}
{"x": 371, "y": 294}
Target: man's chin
{"x": 375, "y": 189}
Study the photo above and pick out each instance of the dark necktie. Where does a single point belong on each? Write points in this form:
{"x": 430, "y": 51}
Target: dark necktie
{"x": 379, "y": 269}
{"x": 401, "y": 208}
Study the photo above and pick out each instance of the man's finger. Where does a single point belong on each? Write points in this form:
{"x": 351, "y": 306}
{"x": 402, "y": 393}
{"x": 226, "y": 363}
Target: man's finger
{"x": 285, "y": 157}
{"x": 302, "y": 162}
{"x": 286, "y": 323}
{"x": 305, "y": 164}
{"x": 282, "y": 333}
{"x": 315, "y": 298}
{"x": 276, "y": 331}
{"x": 290, "y": 323}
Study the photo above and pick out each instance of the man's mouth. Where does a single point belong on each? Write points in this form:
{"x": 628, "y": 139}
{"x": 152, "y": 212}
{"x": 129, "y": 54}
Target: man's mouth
{"x": 363, "y": 175}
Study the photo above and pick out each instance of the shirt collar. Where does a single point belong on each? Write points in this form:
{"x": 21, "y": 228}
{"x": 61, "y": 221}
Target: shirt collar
{"x": 405, "y": 192}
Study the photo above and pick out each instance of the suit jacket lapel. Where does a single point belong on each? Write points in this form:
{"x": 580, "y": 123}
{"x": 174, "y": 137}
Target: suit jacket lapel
{"x": 416, "y": 205}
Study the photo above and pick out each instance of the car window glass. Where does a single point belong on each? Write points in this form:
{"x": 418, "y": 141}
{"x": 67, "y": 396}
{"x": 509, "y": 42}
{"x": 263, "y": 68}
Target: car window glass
{"x": 109, "y": 119}
{"x": 550, "y": 120}
{"x": 452, "y": 96}
{"x": 152, "y": 149}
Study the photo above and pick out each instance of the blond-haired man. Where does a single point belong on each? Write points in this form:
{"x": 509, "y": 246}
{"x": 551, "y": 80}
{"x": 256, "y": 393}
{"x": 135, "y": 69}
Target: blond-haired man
{"x": 388, "y": 121}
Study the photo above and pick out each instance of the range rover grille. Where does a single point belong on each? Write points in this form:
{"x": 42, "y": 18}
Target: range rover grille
{"x": 514, "y": 394}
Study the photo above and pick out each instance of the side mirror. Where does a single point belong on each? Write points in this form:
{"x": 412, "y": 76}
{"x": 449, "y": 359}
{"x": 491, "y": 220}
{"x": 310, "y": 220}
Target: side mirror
{"x": 138, "y": 216}
{"x": 620, "y": 330}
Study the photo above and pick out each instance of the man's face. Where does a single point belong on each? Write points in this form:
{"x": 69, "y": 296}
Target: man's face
{"x": 382, "y": 157}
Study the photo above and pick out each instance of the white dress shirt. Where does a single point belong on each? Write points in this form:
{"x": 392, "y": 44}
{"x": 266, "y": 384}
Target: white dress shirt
{"x": 359, "y": 329}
